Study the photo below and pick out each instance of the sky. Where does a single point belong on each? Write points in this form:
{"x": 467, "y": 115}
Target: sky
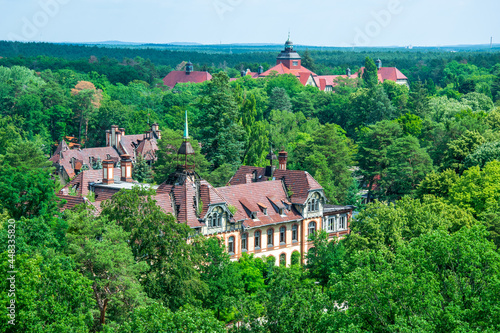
{"x": 310, "y": 22}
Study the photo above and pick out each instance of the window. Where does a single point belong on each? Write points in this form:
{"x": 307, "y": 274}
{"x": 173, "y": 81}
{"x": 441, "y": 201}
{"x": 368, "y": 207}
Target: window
{"x": 230, "y": 245}
{"x": 342, "y": 223}
{"x": 312, "y": 227}
{"x": 282, "y": 235}
{"x": 283, "y": 259}
{"x": 257, "y": 239}
{"x": 329, "y": 223}
{"x": 244, "y": 245}
{"x": 215, "y": 218}
{"x": 270, "y": 236}
{"x": 313, "y": 204}
{"x": 295, "y": 234}
{"x": 295, "y": 63}
{"x": 264, "y": 211}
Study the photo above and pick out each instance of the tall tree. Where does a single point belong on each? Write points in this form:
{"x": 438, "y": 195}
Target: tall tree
{"x": 99, "y": 248}
{"x": 222, "y": 135}
{"x": 370, "y": 74}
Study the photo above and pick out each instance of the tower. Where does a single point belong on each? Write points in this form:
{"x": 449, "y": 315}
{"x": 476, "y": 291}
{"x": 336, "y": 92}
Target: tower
{"x": 288, "y": 57}
{"x": 189, "y": 68}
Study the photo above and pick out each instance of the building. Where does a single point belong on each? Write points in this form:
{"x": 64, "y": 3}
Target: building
{"x": 188, "y": 75}
{"x": 387, "y": 73}
{"x": 70, "y": 162}
{"x": 290, "y": 62}
{"x": 265, "y": 211}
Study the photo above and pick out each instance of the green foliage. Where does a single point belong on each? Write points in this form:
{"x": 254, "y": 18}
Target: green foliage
{"x": 156, "y": 318}
{"x": 387, "y": 226}
{"x": 141, "y": 170}
{"x": 160, "y": 243}
{"x": 168, "y": 159}
{"x": 439, "y": 282}
{"x": 101, "y": 252}
{"x": 437, "y": 184}
{"x": 223, "y": 136}
{"x": 483, "y": 154}
{"x": 460, "y": 148}
{"x": 328, "y": 157}
{"x": 370, "y": 75}
{"x": 50, "y": 296}
{"x": 324, "y": 258}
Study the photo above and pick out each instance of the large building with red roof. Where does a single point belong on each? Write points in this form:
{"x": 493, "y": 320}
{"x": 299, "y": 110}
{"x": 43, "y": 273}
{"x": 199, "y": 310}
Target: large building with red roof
{"x": 188, "y": 75}
{"x": 70, "y": 162}
{"x": 265, "y": 211}
{"x": 290, "y": 62}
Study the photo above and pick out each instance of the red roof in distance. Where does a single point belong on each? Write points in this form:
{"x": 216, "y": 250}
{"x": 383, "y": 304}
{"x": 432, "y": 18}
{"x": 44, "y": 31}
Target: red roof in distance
{"x": 175, "y": 77}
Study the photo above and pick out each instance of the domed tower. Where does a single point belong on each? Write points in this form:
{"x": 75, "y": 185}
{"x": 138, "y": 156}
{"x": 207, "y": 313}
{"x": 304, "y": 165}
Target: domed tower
{"x": 289, "y": 57}
{"x": 189, "y": 68}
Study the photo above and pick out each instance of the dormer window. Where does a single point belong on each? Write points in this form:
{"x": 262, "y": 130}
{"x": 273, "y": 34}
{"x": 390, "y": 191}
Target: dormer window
{"x": 313, "y": 204}
{"x": 264, "y": 211}
{"x": 254, "y": 215}
{"x": 282, "y": 211}
{"x": 214, "y": 219}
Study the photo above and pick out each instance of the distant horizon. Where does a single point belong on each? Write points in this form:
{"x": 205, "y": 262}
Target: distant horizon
{"x": 358, "y": 23}
{"x": 179, "y": 43}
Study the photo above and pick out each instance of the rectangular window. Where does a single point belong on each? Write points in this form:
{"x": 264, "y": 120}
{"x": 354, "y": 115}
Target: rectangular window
{"x": 257, "y": 239}
{"x": 282, "y": 235}
{"x": 295, "y": 63}
{"x": 342, "y": 223}
{"x": 270, "y": 234}
{"x": 295, "y": 236}
{"x": 244, "y": 242}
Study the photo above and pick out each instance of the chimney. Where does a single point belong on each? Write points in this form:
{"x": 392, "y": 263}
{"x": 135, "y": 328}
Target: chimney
{"x": 114, "y": 129}
{"x": 282, "y": 158}
{"x": 123, "y": 131}
{"x": 348, "y": 72}
{"x": 108, "y": 138}
{"x": 378, "y": 62}
{"x": 158, "y": 134}
{"x": 118, "y": 138}
{"x": 107, "y": 172}
{"x": 248, "y": 178}
{"x": 126, "y": 166}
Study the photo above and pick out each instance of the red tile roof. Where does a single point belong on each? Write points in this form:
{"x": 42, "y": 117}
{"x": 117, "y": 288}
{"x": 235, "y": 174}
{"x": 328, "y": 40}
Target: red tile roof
{"x": 64, "y": 157}
{"x": 71, "y": 201}
{"x": 82, "y": 180}
{"x": 247, "y": 197}
{"x": 175, "y": 77}
{"x": 386, "y": 73}
{"x": 296, "y": 181}
{"x": 282, "y": 69}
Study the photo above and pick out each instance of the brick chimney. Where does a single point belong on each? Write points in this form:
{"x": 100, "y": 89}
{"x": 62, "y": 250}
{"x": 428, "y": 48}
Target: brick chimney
{"x": 126, "y": 166}
{"x": 108, "y": 172}
{"x": 123, "y": 131}
{"x": 108, "y": 138}
{"x": 114, "y": 129}
{"x": 282, "y": 158}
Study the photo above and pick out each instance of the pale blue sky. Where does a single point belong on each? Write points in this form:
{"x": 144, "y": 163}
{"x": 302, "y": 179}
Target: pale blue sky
{"x": 312, "y": 22}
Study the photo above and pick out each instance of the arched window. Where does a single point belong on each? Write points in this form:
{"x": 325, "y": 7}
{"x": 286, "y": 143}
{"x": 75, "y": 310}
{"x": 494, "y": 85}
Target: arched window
{"x": 312, "y": 227}
{"x": 283, "y": 259}
{"x": 230, "y": 245}
{"x": 313, "y": 204}
{"x": 295, "y": 233}
{"x": 244, "y": 240}
{"x": 316, "y": 205}
{"x": 283, "y": 235}
{"x": 270, "y": 236}
{"x": 257, "y": 239}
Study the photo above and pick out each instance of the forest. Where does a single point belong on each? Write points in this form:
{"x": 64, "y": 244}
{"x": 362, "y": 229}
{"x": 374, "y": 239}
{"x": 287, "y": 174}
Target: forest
{"x": 422, "y": 255}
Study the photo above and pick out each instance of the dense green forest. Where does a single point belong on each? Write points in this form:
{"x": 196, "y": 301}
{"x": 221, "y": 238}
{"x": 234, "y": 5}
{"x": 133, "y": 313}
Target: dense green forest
{"x": 423, "y": 256}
